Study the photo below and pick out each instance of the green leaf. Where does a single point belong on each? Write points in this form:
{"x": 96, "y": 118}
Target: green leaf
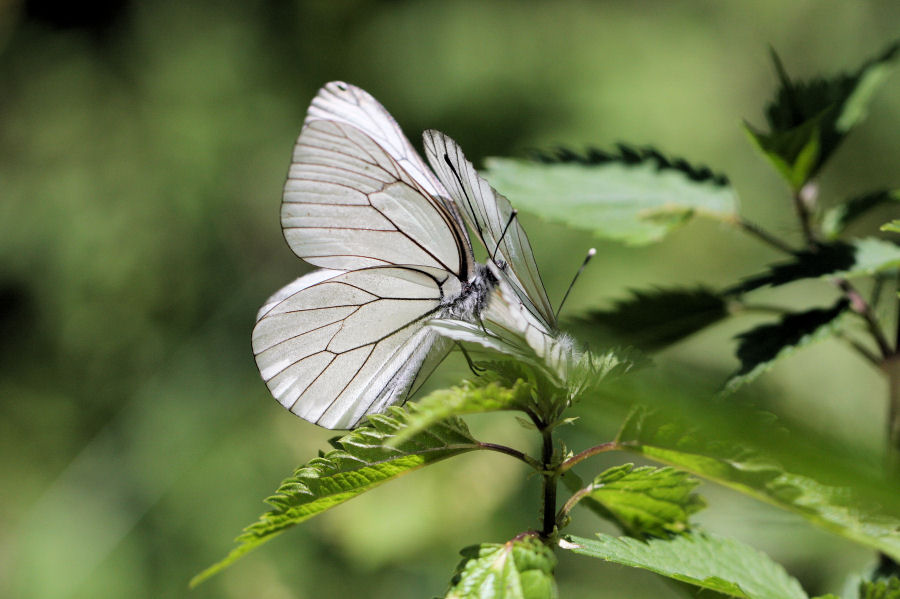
{"x": 831, "y": 508}
{"x": 634, "y": 196}
{"x": 655, "y": 318}
{"x": 560, "y": 374}
{"x": 647, "y": 501}
{"x": 702, "y": 559}
{"x": 761, "y": 347}
{"x": 893, "y": 226}
{"x": 519, "y": 569}
{"x": 838, "y": 218}
{"x": 793, "y": 153}
{"x": 809, "y": 119}
{"x": 861, "y": 257}
{"x": 880, "y": 589}
{"x": 464, "y": 399}
{"x": 360, "y": 461}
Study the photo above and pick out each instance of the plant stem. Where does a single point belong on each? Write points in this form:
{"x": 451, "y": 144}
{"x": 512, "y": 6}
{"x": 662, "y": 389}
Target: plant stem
{"x": 803, "y": 214}
{"x": 859, "y": 305}
{"x": 550, "y": 476}
{"x": 574, "y": 499}
{"x": 891, "y": 368}
{"x": 860, "y": 348}
{"x": 763, "y": 235}
{"x": 588, "y": 453}
{"x": 511, "y": 452}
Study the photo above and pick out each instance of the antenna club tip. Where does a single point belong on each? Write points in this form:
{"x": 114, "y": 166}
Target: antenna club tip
{"x": 592, "y": 251}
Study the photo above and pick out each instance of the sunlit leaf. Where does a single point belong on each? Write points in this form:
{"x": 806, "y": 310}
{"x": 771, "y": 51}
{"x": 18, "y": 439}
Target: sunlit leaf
{"x": 831, "y": 508}
{"x": 761, "y": 347}
{"x": 633, "y": 196}
{"x": 361, "y": 460}
{"x": 893, "y": 226}
{"x": 838, "y": 218}
{"x": 647, "y": 501}
{"x": 808, "y": 119}
{"x": 880, "y": 589}
{"x": 460, "y": 400}
{"x": 861, "y": 257}
{"x": 519, "y": 569}
{"x": 655, "y": 318}
{"x": 701, "y": 559}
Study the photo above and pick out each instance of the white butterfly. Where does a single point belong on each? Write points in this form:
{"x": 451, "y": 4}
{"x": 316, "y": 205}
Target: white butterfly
{"x": 351, "y": 338}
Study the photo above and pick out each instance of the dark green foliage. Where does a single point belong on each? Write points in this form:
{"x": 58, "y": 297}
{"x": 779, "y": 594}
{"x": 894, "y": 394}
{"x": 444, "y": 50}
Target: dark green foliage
{"x": 861, "y": 257}
{"x": 653, "y": 319}
{"x": 762, "y": 346}
{"x": 838, "y": 218}
{"x": 825, "y": 259}
{"x": 808, "y": 119}
{"x": 880, "y": 589}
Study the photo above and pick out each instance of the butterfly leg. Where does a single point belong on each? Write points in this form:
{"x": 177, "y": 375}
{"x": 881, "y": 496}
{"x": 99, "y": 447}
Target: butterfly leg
{"x": 476, "y": 370}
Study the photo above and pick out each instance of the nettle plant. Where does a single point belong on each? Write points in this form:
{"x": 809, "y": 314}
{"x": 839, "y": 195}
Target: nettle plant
{"x": 496, "y": 314}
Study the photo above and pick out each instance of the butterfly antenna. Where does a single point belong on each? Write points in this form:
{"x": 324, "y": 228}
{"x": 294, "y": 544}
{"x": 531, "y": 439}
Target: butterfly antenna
{"x": 512, "y": 217}
{"x": 587, "y": 259}
{"x": 476, "y": 370}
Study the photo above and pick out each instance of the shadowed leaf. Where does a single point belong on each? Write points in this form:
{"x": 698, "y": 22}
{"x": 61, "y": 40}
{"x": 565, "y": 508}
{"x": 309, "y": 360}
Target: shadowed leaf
{"x": 653, "y": 319}
{"x": 859, "y": 258}
{"x": 759, "y": 348}
{"x": 880, "y": 589}
{"x": 838, "y": 218}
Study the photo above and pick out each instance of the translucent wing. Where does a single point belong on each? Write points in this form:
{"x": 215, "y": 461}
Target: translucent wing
{"x": 333, "y": 347}
{"x": 348, "y": 104}
{"x": 487, "y": 213}
{"x": 510, "y": 318}
{"x": 348, "y": 204}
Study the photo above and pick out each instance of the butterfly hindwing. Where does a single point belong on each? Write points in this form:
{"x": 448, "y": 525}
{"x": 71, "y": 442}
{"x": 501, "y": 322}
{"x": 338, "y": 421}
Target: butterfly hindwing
{"x": 346, "y": 345}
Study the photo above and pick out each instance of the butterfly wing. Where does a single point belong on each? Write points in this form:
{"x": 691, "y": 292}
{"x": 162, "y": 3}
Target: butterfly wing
{"x": 487, "y": 213}
{"x": 335, "y": 346}
{"x": 344, "y": 103}
{"x": 348, "y": 204}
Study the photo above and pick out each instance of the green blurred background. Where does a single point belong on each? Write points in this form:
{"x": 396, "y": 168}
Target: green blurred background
{"x": 143, "y": 147}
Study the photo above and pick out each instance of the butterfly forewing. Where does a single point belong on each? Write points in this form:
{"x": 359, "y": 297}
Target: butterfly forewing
{"x": 348, "y": 204}
{"x": 488, "y": 214}
{"x": 332, "y": 350}
{"x": 344, "y": 103}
